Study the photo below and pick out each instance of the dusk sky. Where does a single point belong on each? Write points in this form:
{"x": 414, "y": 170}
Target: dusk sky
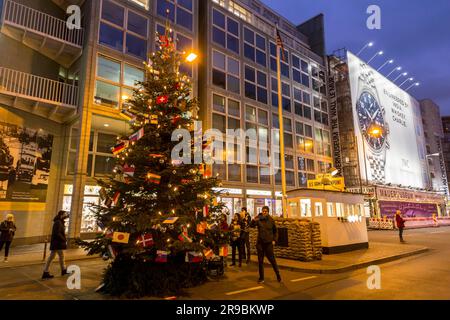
{"x": 415, "y": 33}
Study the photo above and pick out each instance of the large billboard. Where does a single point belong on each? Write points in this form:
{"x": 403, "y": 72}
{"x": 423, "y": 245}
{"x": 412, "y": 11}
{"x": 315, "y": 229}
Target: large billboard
{"x": 390, "y": 137}
{"x": 25, "y": 156}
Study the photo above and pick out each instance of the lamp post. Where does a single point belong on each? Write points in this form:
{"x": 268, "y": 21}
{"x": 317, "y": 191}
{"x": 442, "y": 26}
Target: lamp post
{"x": 404, "y": 74}
{"x": 384, "y": 64}
{"x": 409, "y": 79}
{"x": 370, "y": 44}
{"x": 379, "y": 53}
{"x": 395, "y": 69}
{"x": 413, "y": 85}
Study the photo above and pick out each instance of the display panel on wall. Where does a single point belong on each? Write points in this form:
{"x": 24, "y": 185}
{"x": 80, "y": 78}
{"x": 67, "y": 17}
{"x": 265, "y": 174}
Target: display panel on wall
{"x": 25, "y": 156}
{"x": 389, "y": 136}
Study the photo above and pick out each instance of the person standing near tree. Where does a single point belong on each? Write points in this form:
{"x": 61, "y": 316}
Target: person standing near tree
{"x": 58, "y": 244}
{"x": 400, "y": 224}
{"x": 246, "y": 220}
{"x": 235, "y": 229}
{"x": 267, "y": 237}
{"x": 7, "y": 229}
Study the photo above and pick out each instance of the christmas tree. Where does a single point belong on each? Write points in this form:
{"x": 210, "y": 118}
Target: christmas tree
{"x": 159, "y": 217}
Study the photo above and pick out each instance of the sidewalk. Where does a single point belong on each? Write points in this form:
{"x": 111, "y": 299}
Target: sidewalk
{"x": 33, "y": 255}
{"x": 376, "y": 254}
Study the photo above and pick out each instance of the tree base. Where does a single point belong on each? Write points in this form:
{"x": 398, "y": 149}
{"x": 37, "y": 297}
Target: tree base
{"x": 135, "y": 278}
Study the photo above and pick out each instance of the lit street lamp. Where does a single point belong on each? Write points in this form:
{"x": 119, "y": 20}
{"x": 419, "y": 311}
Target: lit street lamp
{"x": 404, "y": 74}
{"x": 395, "y": 69}
{"x": 383, "y": 65}
{"x": 379, "y": 53}
{"x": 409, "y": 79}
{"x": 370, "y": 44}
{"x": 413, "y": 85}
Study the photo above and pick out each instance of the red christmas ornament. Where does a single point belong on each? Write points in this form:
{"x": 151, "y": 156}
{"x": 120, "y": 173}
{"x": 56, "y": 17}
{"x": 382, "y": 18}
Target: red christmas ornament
{"x": 176, "y": 119}
{"x": 164, "y": 41}
{"x": 162, "y": 100}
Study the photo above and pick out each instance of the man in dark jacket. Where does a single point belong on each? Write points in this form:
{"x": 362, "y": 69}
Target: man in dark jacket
{"x": 7, "y": 229}
{"x": 246, "y": 221}
{"x": 267, "y": 236}
{"x": 400, "y": 224}
{"x": 58, "y": 244}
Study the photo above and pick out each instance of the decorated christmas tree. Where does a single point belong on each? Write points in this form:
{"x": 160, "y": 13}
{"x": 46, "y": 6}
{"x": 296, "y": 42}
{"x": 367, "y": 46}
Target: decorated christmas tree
{"x": 159, "y": 216}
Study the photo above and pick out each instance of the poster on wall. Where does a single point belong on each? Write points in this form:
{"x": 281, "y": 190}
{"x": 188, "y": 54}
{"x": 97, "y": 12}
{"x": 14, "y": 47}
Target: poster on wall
{"x": 389, "y": 135}
{"x": 25, "y": 156}
{"x": 408, "y": 209}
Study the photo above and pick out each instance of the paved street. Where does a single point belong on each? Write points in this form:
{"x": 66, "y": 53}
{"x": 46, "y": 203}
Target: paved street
{"x": 424, "y": 276}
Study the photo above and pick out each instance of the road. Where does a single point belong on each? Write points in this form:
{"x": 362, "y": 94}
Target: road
{"x": 425, "y": 276}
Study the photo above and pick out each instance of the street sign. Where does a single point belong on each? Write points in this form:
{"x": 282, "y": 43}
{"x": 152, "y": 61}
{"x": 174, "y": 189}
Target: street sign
{"x": 327, "y": 183}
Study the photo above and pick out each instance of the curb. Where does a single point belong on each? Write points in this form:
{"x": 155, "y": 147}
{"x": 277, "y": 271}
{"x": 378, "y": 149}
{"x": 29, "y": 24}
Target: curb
{"x": 354, "y": 266}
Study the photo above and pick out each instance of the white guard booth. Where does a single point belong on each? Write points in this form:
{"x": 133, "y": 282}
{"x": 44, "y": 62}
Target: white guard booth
{"x": 340, "y": 214}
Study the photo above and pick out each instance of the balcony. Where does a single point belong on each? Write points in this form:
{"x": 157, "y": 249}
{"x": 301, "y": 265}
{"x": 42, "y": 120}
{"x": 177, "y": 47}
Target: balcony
{"x": 41, "y": 96}
{"x": 42, "y": 32}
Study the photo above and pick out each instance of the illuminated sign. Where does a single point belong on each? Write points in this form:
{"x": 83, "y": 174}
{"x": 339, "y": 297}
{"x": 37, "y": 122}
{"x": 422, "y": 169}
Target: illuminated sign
{"x": 327, "y": 183}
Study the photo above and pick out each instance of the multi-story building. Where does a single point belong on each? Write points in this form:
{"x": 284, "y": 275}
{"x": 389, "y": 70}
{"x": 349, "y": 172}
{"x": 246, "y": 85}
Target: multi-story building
{"x": 434, "y": 134}
{"x": 446, "y": 144}
{"x": 61, "y": 93}
{"x": 379, "y": 141}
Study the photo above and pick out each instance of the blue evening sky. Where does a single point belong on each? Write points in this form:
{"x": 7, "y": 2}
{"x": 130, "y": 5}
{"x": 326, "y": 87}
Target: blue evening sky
{"x": 416, "y": 33}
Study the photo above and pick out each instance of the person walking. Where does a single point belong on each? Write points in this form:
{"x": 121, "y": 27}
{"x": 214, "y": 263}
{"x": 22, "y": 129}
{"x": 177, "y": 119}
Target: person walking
{"x": 7, "y": 229}
{"x": 58, "y": 244}
{"x": 246, "y": 220}
{"x": 400, "y": 224}
{"x": 235, "y": 230}
{"x": 267, "y": 237}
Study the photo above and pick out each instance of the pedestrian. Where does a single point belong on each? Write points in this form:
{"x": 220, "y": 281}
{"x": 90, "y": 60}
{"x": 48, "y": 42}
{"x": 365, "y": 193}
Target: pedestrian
{"x": 267, "y": 237}
{"x": 246, "y": 220}
{"x": 400, "y": 224}
{"x": 58, "y": 244}
{"x": 7, "y": 229}
{"x": 235, "y": 234}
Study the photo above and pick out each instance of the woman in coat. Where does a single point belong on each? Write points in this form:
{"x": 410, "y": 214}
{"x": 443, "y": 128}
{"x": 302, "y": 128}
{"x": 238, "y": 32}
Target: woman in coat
{"x": 57, "y": 245}
{"x": 7, "y": 229}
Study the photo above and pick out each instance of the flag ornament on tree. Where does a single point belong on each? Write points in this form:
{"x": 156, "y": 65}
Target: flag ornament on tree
{"x": 145, "y": 240}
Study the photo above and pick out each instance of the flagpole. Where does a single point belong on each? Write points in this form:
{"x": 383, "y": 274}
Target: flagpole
{"x": 281, "y": 122}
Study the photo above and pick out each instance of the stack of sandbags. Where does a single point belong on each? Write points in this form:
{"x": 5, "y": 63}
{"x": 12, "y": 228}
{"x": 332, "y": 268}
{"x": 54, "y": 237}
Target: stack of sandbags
{"x": 316, "y": 241}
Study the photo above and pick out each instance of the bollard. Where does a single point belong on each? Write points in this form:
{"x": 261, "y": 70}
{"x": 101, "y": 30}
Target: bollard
{"x": 45, "y": 250}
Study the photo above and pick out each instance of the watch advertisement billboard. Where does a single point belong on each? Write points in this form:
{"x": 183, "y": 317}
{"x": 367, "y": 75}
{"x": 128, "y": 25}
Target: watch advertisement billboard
{"x": 25, "y": 156}
{"x": 386, "y": 127}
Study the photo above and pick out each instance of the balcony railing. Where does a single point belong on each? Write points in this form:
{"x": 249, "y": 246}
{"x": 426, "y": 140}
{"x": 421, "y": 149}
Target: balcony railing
{"x": 19, "y": 15}
{"x": 36, "y": 88}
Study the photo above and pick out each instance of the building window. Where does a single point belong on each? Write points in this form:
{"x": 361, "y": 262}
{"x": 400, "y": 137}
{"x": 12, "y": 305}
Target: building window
{"x": 273, "y": 60}
{"x": 318, "y": 80}
{"x": 324, "y": 166}
{"x": 320, "y": 110}
{"x": 286, "y": 95}
{"x": 130, "y": 37}
{"x": 300, "y": 71}
{"x": 255, "y": 47}
{"x": 115, "y": 82}
{"x": 303, "y": 137}
{"x": 306, "y": 170}
{"x": 180, "y": 11}
{"x": 255, "y": 85}
{"x": 225, "y": 31}
{"x": 226, "y": 72}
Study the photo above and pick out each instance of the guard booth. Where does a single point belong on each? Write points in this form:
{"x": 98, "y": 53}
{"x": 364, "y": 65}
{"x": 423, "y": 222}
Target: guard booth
{"x": 340, "y": 215}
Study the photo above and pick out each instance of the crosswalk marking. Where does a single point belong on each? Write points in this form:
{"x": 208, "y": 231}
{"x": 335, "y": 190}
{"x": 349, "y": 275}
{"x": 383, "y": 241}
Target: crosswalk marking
{"x": 245, "y": 290}
{"x": 303, "y": 279}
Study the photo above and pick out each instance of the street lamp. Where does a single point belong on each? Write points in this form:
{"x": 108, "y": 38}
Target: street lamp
{"x": 375, "y": 132}
{"x": 384, "y": 64}
{"x": 413, "y": 85}
{"x": 370, "y": 44}
{"x": 395, "y": 69}
{"x": 404, "y": 74}
{"x": 191, "y": 57}
{"x": 409, "y": 79}
{"x": 379, "y": 53}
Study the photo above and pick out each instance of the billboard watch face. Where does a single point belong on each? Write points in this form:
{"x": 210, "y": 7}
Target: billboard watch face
{"x": 386, "y": 128}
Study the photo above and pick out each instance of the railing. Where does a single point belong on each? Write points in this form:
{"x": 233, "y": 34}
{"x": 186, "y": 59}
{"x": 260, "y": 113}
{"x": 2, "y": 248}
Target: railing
{"x": 37, "y": 88}
{"x": 26, "y": 17}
